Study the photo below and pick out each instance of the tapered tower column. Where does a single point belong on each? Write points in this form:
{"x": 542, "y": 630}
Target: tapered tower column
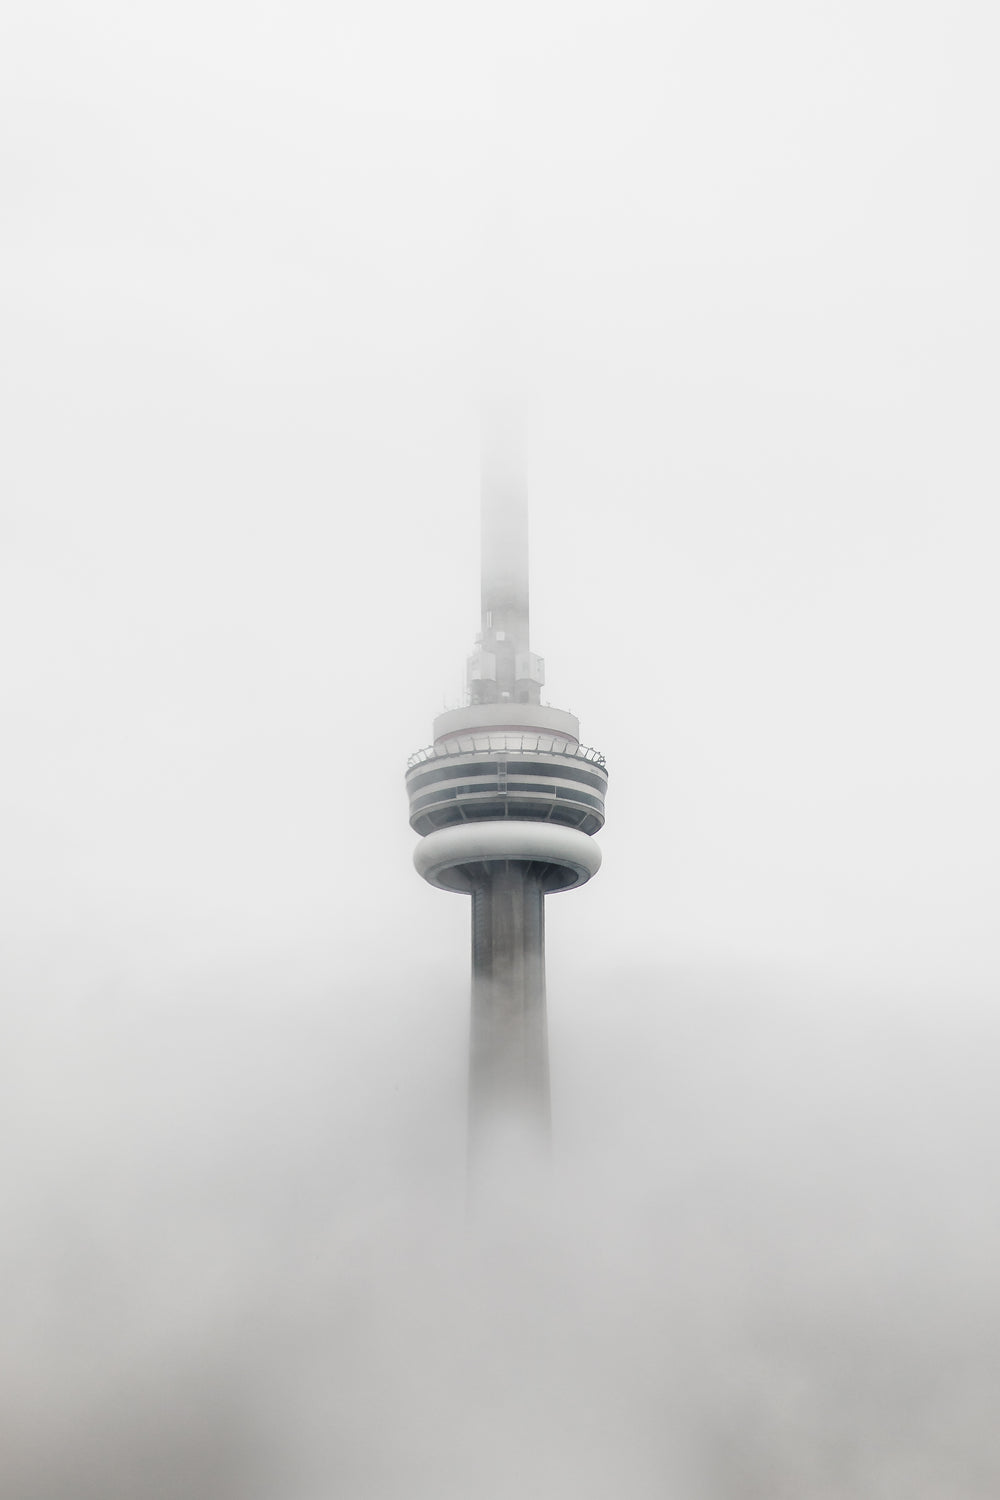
{"x": 506, "y": 801}
{"x": 508, "y": 1044}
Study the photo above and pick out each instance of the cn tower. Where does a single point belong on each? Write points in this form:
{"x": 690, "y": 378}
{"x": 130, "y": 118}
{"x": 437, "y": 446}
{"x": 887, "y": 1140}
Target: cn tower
{"x": 506, "y": 801}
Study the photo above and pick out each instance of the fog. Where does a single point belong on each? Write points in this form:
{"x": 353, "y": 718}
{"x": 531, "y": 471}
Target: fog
{"x": 258, "y": 265}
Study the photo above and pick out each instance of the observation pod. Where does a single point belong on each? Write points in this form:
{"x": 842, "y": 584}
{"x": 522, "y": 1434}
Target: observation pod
{"x": 506, "y": 801}
{"x": 523, "y": 762}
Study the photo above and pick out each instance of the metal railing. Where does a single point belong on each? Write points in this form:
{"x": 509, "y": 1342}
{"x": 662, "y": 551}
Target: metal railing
{"x": 497, "y": 744}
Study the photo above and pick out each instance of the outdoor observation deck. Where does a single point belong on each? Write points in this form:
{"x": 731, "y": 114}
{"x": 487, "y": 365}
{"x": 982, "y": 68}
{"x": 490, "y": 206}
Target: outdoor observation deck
{"x": 534, "y": 777}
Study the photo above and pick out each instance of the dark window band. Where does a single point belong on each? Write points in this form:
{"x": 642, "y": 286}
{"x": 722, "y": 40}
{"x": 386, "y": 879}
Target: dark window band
{"x": 516, "y": 766}
{"x": 515, "y": 788}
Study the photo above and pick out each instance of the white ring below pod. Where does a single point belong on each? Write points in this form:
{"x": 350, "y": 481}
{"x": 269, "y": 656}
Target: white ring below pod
{"x": 469, "y": 843}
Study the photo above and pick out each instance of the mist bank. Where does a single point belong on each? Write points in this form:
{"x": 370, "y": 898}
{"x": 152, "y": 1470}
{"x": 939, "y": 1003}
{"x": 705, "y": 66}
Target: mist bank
{"x": 240, "y": 1261}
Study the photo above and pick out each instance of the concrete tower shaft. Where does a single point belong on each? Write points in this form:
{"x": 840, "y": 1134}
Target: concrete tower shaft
{"x": 508, "y": 1037}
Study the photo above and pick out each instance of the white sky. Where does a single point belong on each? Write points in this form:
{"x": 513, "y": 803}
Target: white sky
{"x": 254, "y": 260}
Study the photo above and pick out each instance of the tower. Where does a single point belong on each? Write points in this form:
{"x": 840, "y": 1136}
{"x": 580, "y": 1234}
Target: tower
{"x": 506, "y": 801}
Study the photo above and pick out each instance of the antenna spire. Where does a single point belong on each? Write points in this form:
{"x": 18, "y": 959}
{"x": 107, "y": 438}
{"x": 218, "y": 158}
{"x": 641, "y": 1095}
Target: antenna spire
{"x": 503, "y": 668}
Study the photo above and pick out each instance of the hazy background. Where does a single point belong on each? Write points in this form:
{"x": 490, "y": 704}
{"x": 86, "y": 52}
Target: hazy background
{"x": 743, "y": 261}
